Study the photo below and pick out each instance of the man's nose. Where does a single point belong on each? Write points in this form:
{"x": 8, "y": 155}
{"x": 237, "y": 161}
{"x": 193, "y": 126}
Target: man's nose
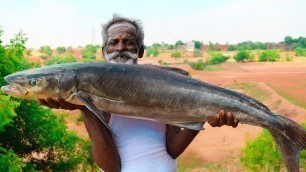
{"x": 121, "y": 46}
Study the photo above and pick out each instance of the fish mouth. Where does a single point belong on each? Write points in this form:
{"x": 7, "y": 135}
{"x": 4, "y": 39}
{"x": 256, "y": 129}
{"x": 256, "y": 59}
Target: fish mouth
{"x": 13, "y": 88}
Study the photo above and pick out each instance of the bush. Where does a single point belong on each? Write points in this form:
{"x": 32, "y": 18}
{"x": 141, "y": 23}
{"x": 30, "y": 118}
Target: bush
{"x": 28, "y": 52}
{"x": 61, "y": 59}
{"x": 262, "y": 154}
{"x": 152, "y": 52}
{"x": 88, "y": 56}
{"x": 176, "y": 54}
{"x": 269, "y": 55}
{"x": 199, "y": 65}
{"x": 61, "y": 50}
{"x": 300, "y": 51}
{"x": 243, "y": 55}
{"x": 91, "y": 48}
{"x": 46, "y": 49}
{"x": 231, "y": 48}
{"x": 217, "y": 58}
{"x": 197, "y": 53}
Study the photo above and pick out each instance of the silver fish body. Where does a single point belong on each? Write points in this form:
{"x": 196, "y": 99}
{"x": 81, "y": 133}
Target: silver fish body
{"x": 149, "y": 92}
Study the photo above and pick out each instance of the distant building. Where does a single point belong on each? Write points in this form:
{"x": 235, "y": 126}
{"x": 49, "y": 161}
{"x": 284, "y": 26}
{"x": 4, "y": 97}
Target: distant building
{"x": 190, "y": 46}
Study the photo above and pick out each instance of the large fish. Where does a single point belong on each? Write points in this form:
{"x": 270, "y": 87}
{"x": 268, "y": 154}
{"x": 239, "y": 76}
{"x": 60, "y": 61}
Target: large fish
{"x": 149, "y": 92}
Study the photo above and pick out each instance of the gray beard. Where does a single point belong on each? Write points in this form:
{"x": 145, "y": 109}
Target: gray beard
{"x": 124, "y": 57}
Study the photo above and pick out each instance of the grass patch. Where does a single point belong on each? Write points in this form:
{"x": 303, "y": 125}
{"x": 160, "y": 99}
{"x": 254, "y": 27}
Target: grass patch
{"x": 187, "y": 163}
{"x": 288, "y": 97}
{"x": 210, "y": 68}
{"x": 250, "y": 89}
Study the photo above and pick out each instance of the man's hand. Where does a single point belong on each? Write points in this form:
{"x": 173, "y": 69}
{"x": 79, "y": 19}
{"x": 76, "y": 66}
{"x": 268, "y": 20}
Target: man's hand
{"x": 60, "y": 103}
{"x": 224, "y": 118}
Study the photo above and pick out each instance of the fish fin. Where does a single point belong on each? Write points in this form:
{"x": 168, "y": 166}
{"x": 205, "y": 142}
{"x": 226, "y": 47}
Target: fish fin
{"x": 83, "y": 97}
{"x": 174, "y": 69}
{"x": 291, "y": 139}
{"x": 190, "y": 125}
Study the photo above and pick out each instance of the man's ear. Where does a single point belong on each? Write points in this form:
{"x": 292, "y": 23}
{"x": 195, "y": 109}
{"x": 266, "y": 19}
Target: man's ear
{"x": 141, "y": 51}
{"x": 102, "y": 49}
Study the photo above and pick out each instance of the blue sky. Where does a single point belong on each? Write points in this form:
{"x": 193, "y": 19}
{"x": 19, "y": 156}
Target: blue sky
{"x": 70, "y": 22}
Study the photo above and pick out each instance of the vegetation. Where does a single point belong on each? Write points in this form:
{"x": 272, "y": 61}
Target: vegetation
{"x": 262, "y": 154}
{"x": 46, "y": 49}
{"x": 198, "y": 45}
{"x": 231, "y": 48}
{"x": 217, "y": 58}
{"x": 250, "y": 89}
{"x": 179, "y": 43}
{"x": 197, "y": 53}
{"x": 199, "y": 65}
{"x": 61, "y": 50}
{"x": 243, "y": 56}
{"x": 300, "y": 51}
{"x": 28, "y": 52}
{"x": 176, "y": 54}
{"x": 89, "y": 51}
{"x": 33, "y": 138}
{"x": 152, "y": 52}
{"x": 61, "y": 59}
{"x": 269, "y": 55}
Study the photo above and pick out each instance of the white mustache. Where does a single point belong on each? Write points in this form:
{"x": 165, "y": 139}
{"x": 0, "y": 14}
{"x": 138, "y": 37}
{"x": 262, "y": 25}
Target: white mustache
{"x": 121, "y": 57}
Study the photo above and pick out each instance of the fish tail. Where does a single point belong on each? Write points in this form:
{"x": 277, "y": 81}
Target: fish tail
{"x": 291, "y": 139}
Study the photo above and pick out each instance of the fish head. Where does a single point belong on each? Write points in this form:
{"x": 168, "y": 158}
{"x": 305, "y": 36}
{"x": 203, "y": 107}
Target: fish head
{"x": 32, "y": 84}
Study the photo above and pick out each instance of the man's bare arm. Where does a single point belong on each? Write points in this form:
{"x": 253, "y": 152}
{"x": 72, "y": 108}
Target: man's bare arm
{"x": 177, "y": 139}
{"x": 104, "y": 151}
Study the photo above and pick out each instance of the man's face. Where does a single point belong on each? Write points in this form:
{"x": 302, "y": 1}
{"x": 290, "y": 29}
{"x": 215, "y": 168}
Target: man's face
{"x": 121, "y": 46}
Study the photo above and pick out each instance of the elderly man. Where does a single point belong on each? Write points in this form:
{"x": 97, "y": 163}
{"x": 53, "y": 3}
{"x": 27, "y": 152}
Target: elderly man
{"x": 139, "y": 145}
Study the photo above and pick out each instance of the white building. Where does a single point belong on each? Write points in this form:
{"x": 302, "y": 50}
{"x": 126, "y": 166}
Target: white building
{"x": 190, "y": 46}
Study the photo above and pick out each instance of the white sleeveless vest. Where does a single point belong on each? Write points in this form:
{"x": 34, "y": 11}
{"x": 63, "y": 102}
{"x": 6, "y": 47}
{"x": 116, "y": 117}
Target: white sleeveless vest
{"x": 141, "y": 145}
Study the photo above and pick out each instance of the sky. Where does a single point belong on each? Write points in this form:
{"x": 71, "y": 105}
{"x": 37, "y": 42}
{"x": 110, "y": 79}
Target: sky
{"x": 78, "y": 22}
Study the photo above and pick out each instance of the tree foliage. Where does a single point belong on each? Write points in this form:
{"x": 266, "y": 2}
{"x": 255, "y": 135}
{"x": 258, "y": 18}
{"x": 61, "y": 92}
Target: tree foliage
{"x": 269, "y": 55}
{"x": 152, "y": 52}
{"x": 61, "y": 50}
{"x": 199, "y": 65}
{"x": 61, "y": 59}
{"x": 262, "y": 154}
{"x": 217, "y": 58}
{"x": 243, "y": 55}
{"x": 32, "y": 137}
{"x": 46, "y": 49}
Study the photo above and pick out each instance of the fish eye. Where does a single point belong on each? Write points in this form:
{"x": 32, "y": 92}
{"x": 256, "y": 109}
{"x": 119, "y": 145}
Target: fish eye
{"x": 33, "y": 82}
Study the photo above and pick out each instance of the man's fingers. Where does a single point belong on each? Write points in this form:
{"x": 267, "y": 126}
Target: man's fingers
{"x": 215, "y": 122}
{"x": 53, "y": 103}
{"x": 222, "y": 118}
{"x": 229, "y": 119}
{"x": 235, "y": 123}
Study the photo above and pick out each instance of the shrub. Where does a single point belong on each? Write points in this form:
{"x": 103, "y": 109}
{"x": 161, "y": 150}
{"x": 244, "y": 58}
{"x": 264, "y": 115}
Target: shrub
{"x": 176, "y": 54}
{"x": 269, "y": 55}
{"x": 46, "y": 49}
{"x": 160, "y": 61}
{"x": 199, "y": 65}
{"x": 299, "y": 51}
{"x": 60, "y": 59}
{"x": 88, "y": 56}
{"x": 243, "y": 55}
{"x": 231, "y": 48}
{"x": 28, "y": 52}
{"x": 91, "y": 48}
{"x": 61, "y": 50}
{"x": 217, "y": 58}
{"x": 44, "y": 57}
{"x": 262, "y": 154}
{"x": 152, "y": 52}
{"x": 197, "y": 53}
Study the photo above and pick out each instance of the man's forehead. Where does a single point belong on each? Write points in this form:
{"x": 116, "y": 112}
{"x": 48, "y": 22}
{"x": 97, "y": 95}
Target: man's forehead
{"x": 124, "y": 29}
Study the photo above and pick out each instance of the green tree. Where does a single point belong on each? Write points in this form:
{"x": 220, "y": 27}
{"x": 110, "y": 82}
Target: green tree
{"x": 176, "y": 54}
{"x": 211, "y": 46}
{"x": 46, "y": 49}
{"x": 243, "y": 56}
{"x": 179, "y": 43}
{"x": 269, "y": 55}
{"x": 27, "y": 128}
{"x": 231, "y": 48}
{"x": 217, "y": 58}
{"x": 61, "y": 59}
{"x": 91, "y": 48}
{"x": 61, "y": 50}
{"x": 199, "y": 65}
{"x": 198, "y": 45}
